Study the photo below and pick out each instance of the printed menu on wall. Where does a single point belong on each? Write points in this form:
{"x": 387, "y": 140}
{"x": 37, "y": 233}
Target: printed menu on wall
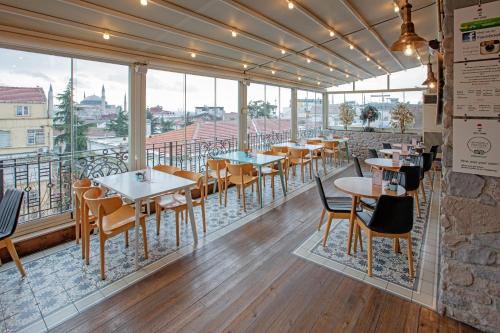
{"x": 477, "y": 32}
{"x": 476, "y": 146}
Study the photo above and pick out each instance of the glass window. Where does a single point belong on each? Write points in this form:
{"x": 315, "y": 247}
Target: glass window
{"x": 374, "y": 83}
{"x": 201, "y": 111}
{"x": 4, "y": 138}
{"x": 227, "y": 99}
{"x": 342, "y": 87}
{"x": 35, "y": 136}
{"x": 334, "y": 102}
{"x": 272, "y": 103}
{"x": 285, "y": 109}
{"x": 410, "y": 78}
{"x": 258, "y": 110}
{"x": 22, "y": 110}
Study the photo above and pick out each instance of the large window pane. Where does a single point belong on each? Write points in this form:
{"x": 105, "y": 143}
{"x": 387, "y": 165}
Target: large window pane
{"x": 410, "y": 78}
{"x": 227, "y": 98}
{"x": 374, "y": 83}
{"x": 285, "y": 109}
{"x": 272, "y": 103}
{"x": 258, "y": 110}
{"x": 202, "y": 113}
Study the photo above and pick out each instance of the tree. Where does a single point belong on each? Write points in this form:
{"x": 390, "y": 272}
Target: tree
{"x": 402, "y": 117}
{"x": 166, "y": 125}
{"x": 346, "y": 114}
{"x": 369, "y": 114}
{"x": 119, "y": 125}
{"x": 62, "y": 123}
{"x": 261, "y": 109}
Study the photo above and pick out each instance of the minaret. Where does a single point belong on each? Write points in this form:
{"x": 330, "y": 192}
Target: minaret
{"x": 125, "y": 103}
{"x": 103, "y": 100}
{"x": 50, "y": 102}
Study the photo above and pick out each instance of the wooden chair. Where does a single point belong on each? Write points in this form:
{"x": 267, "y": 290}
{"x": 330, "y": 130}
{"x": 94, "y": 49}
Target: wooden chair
{"x": 241, "y": 175}
{"x": 300, "y": 157}
{"x": 273, "y": 171}
{"x": 337, "y": 208}
{"x": 10, "y": 208}
{"x": 84, "y": 222}
{"x": 332, "y": 151}
{"x": 316, "y": 154}
{"x": 166, "y": 168}
{"x": 176, "y": 202}
{"x": 113, "y": 218}
{"x": 216, "y": 169}
{"x": 392, "y": 218}
{"x": 278, "y": 149}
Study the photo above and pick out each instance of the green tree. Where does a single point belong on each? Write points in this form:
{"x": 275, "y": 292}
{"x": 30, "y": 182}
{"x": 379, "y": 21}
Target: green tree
{"x": 369, "y": 114}
{"x": 261, "y": 109}
{"x": 62, "y": 123}
{"x": 119, "y": 125}
{"x": 166, "y": 125}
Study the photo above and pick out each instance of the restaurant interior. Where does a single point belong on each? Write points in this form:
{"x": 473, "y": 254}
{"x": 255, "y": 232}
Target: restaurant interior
{"x": 249, "y": 166}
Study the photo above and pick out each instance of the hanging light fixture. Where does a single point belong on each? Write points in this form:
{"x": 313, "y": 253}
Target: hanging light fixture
{"x": 431, "y": 79}
{"x": 408, "y": 40}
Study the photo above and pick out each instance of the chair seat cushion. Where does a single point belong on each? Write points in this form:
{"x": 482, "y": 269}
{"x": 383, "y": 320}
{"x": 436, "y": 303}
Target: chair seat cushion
{"x": 119, "y": 218}
{"x": 246, "y": 179}
{"x": 223, "y": 173}
{"x": 173, "y": 200}
{"x": 368, "y": 202}
{"x": 268, "y": 170}
{"x": 341, "y": 204}
{"x": 364, "y": 217}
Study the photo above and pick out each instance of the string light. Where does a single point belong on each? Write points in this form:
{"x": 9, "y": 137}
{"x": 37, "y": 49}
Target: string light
{"x": 273, "y": 72}
{"x": 106, "y": 35}
{"x": 299, "y": 78}
{"x": 193, "y": 55}
{"x": 331, "y": 69}
{"x": 290, "y": 5}
{"x": 308, "y": 60}
{"x": 332, "y": 33}
{"x": 351, "y": 46}
{"x": 319, "y": 83}
{"x": 144, "y": 2}
{"x": 245, "y": 66}
{"x": 283, "y": 51}
{"x": 347, "y": 75}
{"x": 234, "y": 33}
{"x": 367, "y": 58}
{"x": 396, "y": 8}
{"x": 379, "y": 67}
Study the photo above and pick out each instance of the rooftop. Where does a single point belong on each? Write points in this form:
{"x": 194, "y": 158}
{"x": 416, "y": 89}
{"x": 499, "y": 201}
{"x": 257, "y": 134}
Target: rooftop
{"x": 32, "y": 95}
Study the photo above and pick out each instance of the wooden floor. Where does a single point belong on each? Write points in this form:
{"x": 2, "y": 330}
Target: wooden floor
{"x": 249, "y": 281}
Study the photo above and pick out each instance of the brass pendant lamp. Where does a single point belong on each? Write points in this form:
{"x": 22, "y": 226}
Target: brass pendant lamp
{"x": 408, "y": 40}
{"x": 431, "y": 81}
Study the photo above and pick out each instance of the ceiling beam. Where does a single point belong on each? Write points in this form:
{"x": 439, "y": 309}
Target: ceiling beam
{"x": 99, "y": 31}
{"x": 208, "y": 20}
{"x": 261, "y": 17}
{"x": 372, "y": 31}
{"x": 163, "y": 27}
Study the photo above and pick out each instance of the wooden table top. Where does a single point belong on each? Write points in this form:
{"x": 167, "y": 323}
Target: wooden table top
{"x": 384, "y": 163}
{"x": 363, "y": 187}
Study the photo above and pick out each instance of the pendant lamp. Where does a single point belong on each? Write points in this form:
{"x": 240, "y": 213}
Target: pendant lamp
{"x": 408, "y": 40}
{"x": 431, "y": 79}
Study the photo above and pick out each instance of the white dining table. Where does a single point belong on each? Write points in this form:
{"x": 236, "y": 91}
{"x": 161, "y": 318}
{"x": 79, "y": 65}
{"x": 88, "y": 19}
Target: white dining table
{"x": 127, "y": 185}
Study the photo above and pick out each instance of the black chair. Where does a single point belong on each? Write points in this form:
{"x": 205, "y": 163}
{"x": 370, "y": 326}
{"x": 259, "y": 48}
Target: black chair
{"x": 434, "y": 151}
{"x": 372, "y": 153}
{"x": 9, "y": 215}
{"x": 337, "y": 208}
{"x": 410, "y": 180}
{"x": 357, "y": 166}
{"x": 392, "y": 218}
{"x": 386, "y": 145}
{"x": 364, "y": 202}
{"x": 426, "y": 167}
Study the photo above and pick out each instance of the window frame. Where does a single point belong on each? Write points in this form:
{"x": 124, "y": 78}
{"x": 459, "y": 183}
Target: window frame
{"x": 25, "y": 110}
{"x": 36, "y": 136}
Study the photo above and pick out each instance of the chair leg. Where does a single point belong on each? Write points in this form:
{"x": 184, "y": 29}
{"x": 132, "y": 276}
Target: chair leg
{"x": 410, "y": 256}
{"x": 177, "y": 227}
{"x": 13, "y": 254}
{"x": 101, "y": 253}
{"x": 327, "y": 230}
{"x": 323, "y": 212}
{"x": 225, "y": 193}
{"x": 370, "y": 253}
{"x": 144, "y": 237}
{"x": 203, "y": 217}
{"x": 87, "y": 243}
{"x": 219, "y": 182}
{"x": 126, "y": 238}
{"x": 311, "y": 169}
{"x": 272, "y": 184}
{"x": 77, "y": 220}
{"x": 244, "y": 198}
{"x": 158, "y": 218}
{"x": 358, "y": 233}
{"x": 302, "y": 172}
{"x": 417, "y": 202}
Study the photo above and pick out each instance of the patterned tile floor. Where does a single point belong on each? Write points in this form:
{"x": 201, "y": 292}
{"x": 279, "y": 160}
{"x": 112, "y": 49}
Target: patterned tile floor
{"x": 59, "y": 284}
{"x": 390, "y": 270}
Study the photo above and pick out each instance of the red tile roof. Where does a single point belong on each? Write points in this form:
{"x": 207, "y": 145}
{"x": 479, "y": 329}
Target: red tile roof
{"x": 22, "y": 95}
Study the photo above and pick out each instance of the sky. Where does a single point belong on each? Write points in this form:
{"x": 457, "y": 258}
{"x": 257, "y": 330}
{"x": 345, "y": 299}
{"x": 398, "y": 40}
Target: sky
{"x": 25, "y": 69}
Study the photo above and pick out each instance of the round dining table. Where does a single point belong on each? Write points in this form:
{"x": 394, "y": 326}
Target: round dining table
{"x": 389, "y": 152}
{"x": 385, "y": 164}
{"x": 362, "y": 187}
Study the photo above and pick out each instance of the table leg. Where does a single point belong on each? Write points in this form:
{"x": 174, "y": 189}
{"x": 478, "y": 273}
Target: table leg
{"x": 189, "y": 203}
{"x": 280, "y": 170}
{"x": 323, "y": 158}
{"x": 351, "y": 223}
{"x": 260, "y": 186}
{"x": 137, "y": 230}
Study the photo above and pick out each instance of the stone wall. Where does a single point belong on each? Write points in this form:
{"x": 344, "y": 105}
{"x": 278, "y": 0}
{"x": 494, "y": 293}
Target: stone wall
{"x": 360, "y": 142}
{"x": 470, "y": 223}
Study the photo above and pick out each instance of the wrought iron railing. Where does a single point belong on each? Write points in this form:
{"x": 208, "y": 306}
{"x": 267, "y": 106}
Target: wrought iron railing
{"x": 46, "y": 178}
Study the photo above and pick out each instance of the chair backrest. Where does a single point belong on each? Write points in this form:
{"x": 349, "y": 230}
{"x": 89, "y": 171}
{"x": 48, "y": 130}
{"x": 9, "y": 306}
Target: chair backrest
{"x": 427, "y": 161}
{"x": 215, "y": 164}
{"x": 372, "y": 153}
{"x": 331, "y": 145}
{"x": 240, "y": 169}
{"x": 434, "y": 151}
{"x": 321, "y": 191}
{"x": 298, "y": 153}
{"x": 392, "y": 215}
{"x": 10, "y": 208}
{"x": 386, "y": 145}
{"x": 313, "y": 142}
{"x": 357, "y": 167}
{"x": 80, "y": 186}
{"x": 410, "y": 179}
{"x": 194, "y": 176}
{"x": 279, "y": 149}
{"x": 166, "y": 168}
{"x": 93, "y": 197}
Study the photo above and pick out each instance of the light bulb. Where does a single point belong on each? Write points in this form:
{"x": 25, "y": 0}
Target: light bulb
{"x": 193, "y": 55}
{"x": 379, "y": 67}
{"x": 332, "y": 33}
{"x": 432, "y": 85}
{"x": 408, "y": 50}
{"x": 347, "y": 75}
{"x": 331, "y": 69}
{"x": 319, "y": 83}
{"x": 245, "y": 66}
{"x": 283, "y": 51}
{"x": 308, "y": 60}
{"x": 273, "y": 72}
{"x": 418, "y": 57}
{"x": 367, "y": 59}
{"x": 351, "y": 46}
{"x": 144, "y": 2}
{"x": 396, "y": 8}
{"x": 299, "y": 78}
{"x": 290, "y": 5}
{"x": 234, "y": 33}
{"x": 106, "y": 36}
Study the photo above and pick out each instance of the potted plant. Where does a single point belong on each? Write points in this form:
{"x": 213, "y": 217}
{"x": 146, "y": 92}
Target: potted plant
{"x": 369, "y": 114}
{"x": 402, "y": 117}
{"x": 346, "y": 114}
